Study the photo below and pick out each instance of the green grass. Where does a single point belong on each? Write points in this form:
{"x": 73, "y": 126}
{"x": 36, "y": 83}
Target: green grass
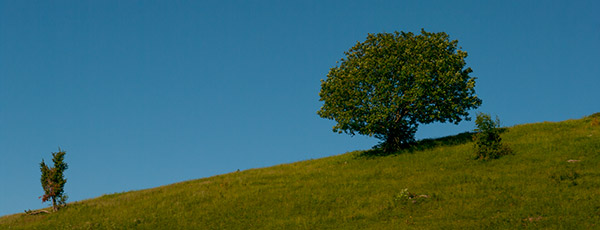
{"x": 535, "y": 188}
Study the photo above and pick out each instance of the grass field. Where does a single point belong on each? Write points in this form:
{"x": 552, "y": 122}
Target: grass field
{"x": 552, "y": 181}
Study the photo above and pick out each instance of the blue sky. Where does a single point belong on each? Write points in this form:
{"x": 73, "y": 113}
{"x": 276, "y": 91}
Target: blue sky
{"x": 147, "y": 93}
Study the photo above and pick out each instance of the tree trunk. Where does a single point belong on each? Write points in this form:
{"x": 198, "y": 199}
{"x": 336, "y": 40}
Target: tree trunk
{"x": 54, "y": 206}
{"x": 393, "y": 143}
{"x": 399, "y": 137}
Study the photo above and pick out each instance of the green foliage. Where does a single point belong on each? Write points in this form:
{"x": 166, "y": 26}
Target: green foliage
{"x": 534, "y": 189}
{"x": 53, "y": 180}
{"x": 392, "y": 82}
{"x": 488, "y": 143}
{"x": 406, "y": 197}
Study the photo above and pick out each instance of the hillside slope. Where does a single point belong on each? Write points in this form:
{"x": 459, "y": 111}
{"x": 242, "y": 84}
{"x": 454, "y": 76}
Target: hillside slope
{"x": 537, "y": 187}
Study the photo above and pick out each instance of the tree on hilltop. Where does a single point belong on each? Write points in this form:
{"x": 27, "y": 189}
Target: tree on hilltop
{"x": 392, "y": 82}
{"x": 53, "y": 180}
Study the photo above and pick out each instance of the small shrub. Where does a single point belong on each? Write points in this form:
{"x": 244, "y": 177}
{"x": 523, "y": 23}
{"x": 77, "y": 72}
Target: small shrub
{"x": 488, "y": 143}
{"x": 403, "y": 196}
{"x": 53, "y": 180}
{"x": 407, "y": 197}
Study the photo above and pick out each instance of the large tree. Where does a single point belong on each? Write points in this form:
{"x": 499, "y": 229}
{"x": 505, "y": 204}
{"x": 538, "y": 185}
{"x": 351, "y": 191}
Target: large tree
{"x": 53, "y": 180}
{"x": 392, "y": 82}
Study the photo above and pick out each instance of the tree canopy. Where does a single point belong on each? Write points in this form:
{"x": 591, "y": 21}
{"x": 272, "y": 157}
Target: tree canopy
{"x": 392, "y": 82}
{"x": 53, "y": 180}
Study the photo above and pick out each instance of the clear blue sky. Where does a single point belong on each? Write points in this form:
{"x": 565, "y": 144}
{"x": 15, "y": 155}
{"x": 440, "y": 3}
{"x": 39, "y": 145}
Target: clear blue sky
{"x": 147, "y": 93}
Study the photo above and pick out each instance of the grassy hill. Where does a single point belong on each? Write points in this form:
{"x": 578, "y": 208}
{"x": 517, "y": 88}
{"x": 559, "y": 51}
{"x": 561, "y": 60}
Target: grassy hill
{"x": 552, "y": 181}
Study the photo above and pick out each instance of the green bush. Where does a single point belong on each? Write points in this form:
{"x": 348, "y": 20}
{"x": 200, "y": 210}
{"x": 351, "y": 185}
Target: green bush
{"x": 53, "y": 180}
{"x": 488, "y": 143}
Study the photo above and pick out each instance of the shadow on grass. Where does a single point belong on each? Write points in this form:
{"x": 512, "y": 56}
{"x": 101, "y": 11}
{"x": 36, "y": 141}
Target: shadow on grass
{"x": 424, "y": 145}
